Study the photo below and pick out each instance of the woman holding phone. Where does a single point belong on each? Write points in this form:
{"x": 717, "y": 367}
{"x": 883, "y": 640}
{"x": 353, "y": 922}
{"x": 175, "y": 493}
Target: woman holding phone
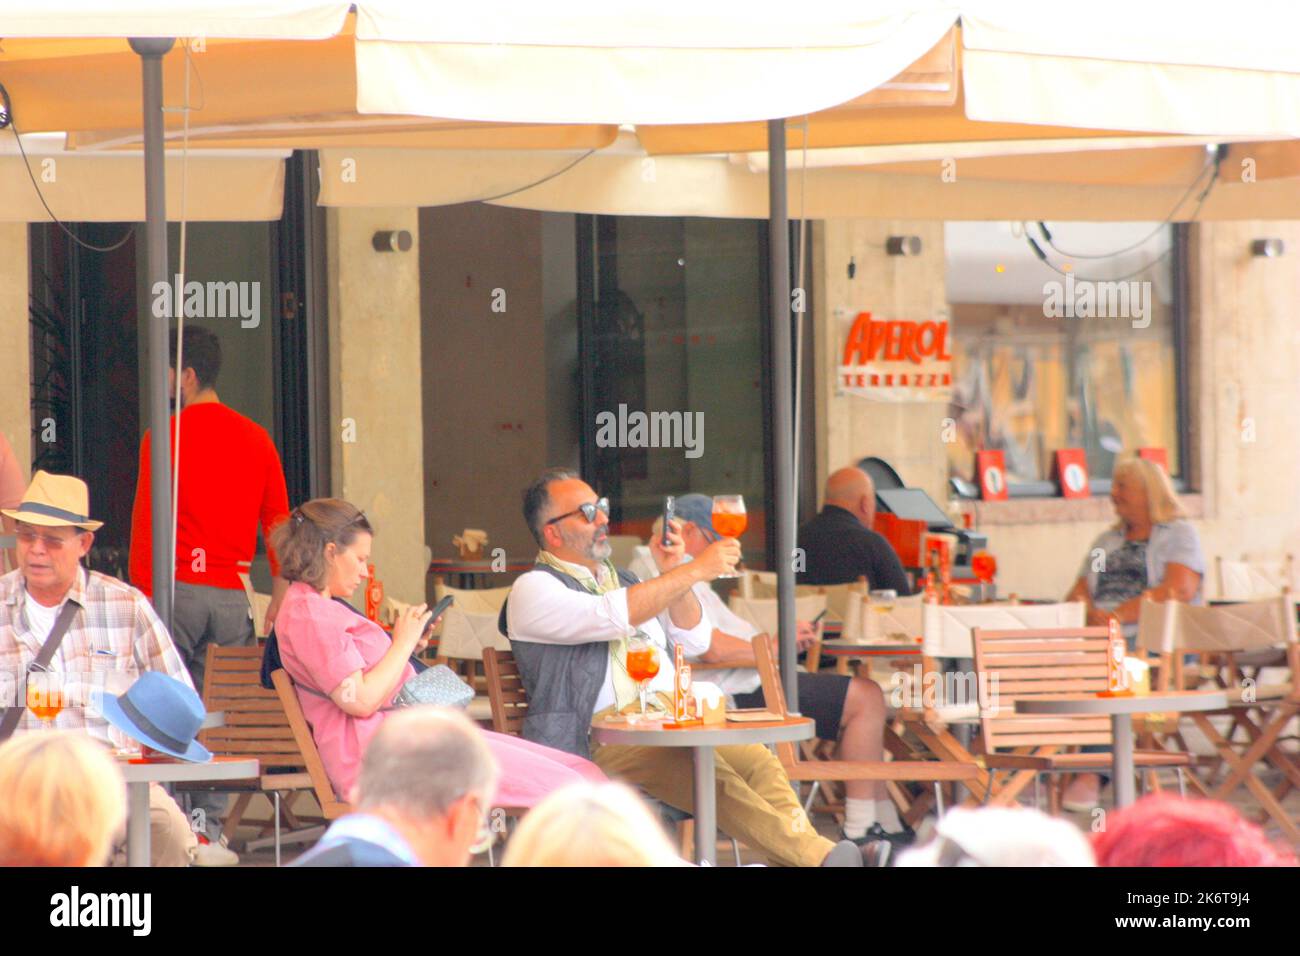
{"x": 355, "y": 668}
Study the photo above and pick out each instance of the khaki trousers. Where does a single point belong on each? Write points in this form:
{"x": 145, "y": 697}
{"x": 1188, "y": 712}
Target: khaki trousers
{"x": 171, "y": 841}
{"x": 756, "y": 803}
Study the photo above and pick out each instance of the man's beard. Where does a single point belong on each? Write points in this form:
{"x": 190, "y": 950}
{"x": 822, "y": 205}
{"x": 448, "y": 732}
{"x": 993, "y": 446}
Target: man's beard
{"x": 594, "y": 548}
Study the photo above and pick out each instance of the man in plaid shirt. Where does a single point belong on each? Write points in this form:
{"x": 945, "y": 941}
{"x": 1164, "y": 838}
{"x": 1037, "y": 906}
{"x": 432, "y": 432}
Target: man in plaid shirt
{"x": 113, "y": 637}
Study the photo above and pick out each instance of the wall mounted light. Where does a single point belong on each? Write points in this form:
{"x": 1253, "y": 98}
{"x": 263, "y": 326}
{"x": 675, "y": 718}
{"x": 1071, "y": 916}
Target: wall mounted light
{"x": 903, "y": 245}
{"x": 392, "y": 240}
{"x": 1268, "y": 248}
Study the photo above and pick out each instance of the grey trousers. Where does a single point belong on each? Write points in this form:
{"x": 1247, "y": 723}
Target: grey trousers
{"x": 201, "y": 616}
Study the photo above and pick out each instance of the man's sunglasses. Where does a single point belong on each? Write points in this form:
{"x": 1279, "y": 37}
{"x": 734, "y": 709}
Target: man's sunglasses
{"x": 587, "y": 510}
{"x": 50, "y": 541}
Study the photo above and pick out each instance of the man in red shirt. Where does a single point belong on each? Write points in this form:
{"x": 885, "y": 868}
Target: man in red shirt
{"x": 231, "y": 482}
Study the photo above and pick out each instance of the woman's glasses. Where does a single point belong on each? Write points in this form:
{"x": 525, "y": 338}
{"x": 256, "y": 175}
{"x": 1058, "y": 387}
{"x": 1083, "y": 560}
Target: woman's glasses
{"x": 587, "y": 510}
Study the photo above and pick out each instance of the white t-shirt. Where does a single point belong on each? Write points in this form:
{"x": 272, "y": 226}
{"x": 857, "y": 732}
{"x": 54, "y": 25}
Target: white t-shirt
{"x": 41, "y": 618}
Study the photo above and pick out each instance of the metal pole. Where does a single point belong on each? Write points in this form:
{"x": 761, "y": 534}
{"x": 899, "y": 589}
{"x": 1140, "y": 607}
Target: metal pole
{"x": 782, "y": 412}
{"x": 151, "y": 52}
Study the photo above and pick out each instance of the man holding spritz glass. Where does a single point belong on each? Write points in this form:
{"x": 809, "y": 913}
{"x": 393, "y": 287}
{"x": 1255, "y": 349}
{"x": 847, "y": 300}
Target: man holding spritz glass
{"x": 579, "y": 629}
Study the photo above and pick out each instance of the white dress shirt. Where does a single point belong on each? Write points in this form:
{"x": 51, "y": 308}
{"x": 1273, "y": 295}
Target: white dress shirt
{"x": 544, "y": 611}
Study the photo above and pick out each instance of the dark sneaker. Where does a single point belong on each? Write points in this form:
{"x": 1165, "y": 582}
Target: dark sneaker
{"x": 898, "y": 840}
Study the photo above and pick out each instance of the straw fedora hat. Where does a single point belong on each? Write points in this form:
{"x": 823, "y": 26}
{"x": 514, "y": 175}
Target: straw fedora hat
{"x": 55, "y": 501}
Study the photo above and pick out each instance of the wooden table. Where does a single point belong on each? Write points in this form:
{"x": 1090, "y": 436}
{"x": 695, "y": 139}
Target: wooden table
{"x": 140, "y": 775}
{"x": 1121, "y": 710}
{"x": 703, "y": 738}
{"x": 470, "y": 575}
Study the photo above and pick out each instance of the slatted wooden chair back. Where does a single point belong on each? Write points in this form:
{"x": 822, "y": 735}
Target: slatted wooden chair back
{"x": 331, "y": 806}
{"x": 255, "y": 725}
{"x": 1046, "y": 662}
{"x": 773, "y": 691}
{"x": 505, "y": 691}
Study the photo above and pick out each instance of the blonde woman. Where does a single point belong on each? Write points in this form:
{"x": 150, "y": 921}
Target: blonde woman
{"x": 1151, "y": 553}
{"x": 591, "y": 825}
{"x": 64, "y": 800}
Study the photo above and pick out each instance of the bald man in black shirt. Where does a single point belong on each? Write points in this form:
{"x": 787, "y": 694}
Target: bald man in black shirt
{"x": 839, "y": 545}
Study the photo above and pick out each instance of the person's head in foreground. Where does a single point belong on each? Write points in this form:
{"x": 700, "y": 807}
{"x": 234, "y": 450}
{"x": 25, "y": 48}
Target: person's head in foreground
{"x": 591, "y": 825}
{"x": 64, "y": 800}
{"x": 429, "y": 775}
{"x": 1001, "y": 836}
{"x": 1166, "y": 830}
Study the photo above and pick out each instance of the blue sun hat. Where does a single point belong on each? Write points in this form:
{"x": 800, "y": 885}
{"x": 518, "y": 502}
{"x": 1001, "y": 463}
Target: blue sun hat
{"x": 160, "y": 712}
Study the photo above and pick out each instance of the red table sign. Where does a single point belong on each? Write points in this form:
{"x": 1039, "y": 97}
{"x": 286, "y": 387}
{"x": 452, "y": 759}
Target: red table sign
{"x": 1071, "y": 473}
{"x": 1158, "y": 455}
{"x": 992, "y": 471}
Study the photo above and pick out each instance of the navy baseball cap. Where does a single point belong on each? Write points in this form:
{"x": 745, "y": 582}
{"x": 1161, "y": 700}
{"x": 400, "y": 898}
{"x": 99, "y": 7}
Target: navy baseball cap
{"x": 698, "y": 510}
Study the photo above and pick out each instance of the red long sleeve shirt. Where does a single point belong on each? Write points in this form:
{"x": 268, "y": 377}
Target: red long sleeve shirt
{"x": 231, "y": 482}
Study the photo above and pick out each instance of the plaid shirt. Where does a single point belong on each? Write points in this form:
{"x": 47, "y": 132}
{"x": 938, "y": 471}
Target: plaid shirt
{"x": 114, "y": 637}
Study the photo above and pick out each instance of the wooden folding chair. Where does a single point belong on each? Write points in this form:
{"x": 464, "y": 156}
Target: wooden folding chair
{"x": 942, "y": 709}
{"x": 801, "y": 770}
{"x": 510, "y": 707}
{"x": 255, "y": 725}
{"x": 1034, "y": 663}
{"x": 1174, "y": 630}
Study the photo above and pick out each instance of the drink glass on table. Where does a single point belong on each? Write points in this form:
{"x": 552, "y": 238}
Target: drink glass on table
{"x": 729, "y": 520}
{"x": 880, "y": 602}
{"x": 45, "y": 696}
{"x": 642, "y": 664}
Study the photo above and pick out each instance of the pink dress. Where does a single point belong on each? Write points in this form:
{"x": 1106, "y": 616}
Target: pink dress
{"x": 322, "y": 643}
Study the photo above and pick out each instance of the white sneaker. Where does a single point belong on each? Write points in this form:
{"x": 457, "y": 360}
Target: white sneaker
{"x": 215, "y": 854}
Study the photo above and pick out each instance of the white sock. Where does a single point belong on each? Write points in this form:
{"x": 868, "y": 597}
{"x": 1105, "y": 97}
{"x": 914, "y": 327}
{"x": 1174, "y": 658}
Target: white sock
{"x": 859, "y": 815}
{"x": 887, "y": 814}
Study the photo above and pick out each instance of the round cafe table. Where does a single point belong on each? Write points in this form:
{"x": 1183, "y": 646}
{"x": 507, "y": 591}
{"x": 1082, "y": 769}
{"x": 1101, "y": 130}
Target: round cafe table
{"x": 702, "y": 739}
{"x": 139, "y": 774}
{"x": 1121, "y": 710}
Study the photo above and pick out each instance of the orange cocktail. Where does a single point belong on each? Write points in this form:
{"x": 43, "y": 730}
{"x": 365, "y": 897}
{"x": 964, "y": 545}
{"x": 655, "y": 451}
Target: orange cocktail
{"x": 730, "y": 525}
{"x": 45, "y": 698}
{"x": 985, "y": 566}
{"x": 642, "y": 662}
{"x": 729, "y": 520}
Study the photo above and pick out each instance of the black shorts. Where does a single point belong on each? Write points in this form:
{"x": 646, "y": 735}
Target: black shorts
{"x": 821, "y": 697}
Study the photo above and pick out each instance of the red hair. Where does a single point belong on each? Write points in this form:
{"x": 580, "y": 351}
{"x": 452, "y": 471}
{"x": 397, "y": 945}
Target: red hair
{"x": 1165, "y": 830}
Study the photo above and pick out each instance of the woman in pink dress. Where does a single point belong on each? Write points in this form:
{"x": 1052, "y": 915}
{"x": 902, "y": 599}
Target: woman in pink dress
{"x": 347, "y": 670}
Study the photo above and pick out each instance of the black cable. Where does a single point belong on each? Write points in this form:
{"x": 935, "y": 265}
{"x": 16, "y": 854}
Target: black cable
{"x": 1219, "y": 155}
{"x": 547, "y": 178}
{"x": 7, "y": 121}
{"x": 1212, "y": 161}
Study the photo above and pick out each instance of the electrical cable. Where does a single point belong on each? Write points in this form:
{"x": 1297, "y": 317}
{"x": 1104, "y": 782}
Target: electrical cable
{"x": 7, "y": 121}
{"x": 544, "y": 179}
{"x": 1214, "y": 164}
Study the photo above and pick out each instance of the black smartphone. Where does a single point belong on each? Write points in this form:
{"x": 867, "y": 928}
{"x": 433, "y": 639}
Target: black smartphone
{"x": 668, "y": 516}
{"x": 438, "y": 609}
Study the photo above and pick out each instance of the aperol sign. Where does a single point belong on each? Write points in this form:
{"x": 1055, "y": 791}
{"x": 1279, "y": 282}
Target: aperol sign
{"x": 896, "y": 361}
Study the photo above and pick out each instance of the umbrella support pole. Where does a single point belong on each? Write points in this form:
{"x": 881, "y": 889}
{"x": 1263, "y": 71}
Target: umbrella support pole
{"x": 151, "y": 52}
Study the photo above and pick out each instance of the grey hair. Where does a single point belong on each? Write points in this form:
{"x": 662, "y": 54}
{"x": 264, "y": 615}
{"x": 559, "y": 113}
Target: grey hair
{"x": 424, "y": 759}
{"x": 537, "y": 500}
